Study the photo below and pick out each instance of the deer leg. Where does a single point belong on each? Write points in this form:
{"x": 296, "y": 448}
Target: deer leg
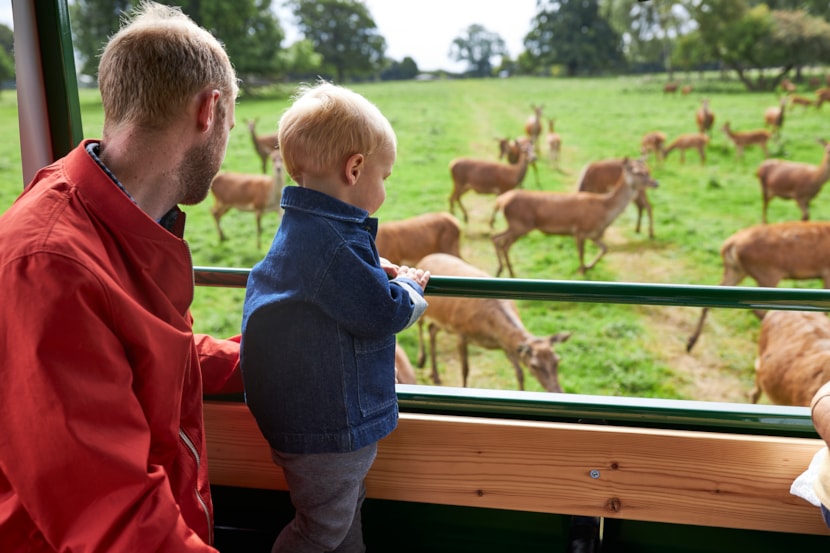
{"x": 217, "y": 214}
{"x": 502, "y": 242}
{"x": 602, "y": 249}
{"x": 258, "y": 229}
{"x": 690, "y": 343}
{"x": 805, "y": 210}
{"x": 422, "y": 355}
{"x": 536, "y": 174}
{"x": 433, "y": 331}
{"x": 520, "y": 375}
{"x": 462, "y": 355}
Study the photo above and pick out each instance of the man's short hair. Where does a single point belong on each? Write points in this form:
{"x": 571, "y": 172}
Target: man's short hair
{"x": 154, "y": 65}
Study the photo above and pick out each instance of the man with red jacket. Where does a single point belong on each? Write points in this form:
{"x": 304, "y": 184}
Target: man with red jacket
{"x": 102, "y": 446}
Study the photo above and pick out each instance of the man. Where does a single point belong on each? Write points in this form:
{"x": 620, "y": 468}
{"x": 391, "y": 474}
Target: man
{"x": 102, "y": 446}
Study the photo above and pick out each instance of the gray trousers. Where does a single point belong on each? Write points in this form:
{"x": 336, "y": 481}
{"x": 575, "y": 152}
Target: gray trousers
{"x": 327, "y": 492}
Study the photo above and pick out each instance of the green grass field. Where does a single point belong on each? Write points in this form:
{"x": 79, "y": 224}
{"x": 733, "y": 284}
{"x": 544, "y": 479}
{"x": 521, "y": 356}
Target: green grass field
{"x": 615, "y": 349}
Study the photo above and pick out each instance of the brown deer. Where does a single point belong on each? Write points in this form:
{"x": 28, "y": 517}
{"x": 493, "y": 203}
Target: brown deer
{"x": 264, "y": 144}
{"x": 823, "y": 95}
{"x": 246, "y": 192}
{"x": 793, "y": 180}
{"x": 488, "y": 323}
{"x": 533, "y": 126}
{"x": 602, "y": 176}
{"x": 793, "y": 357}
{"x": 554, "y": 142}
{"x": 486, "y": 177}
{"x": 770, "y": 253}
{"x": 583, "y": 215}
{"x": 511, "y": 150}
{"x": 405, "y": 242}
{"x": 670, "y": 88}
{"x": 742, "y": 139}
{"x": 704, "y": 117}
{"x": 696, "y": 141}
{"x": 774, "y": 116}
{"x": 653, "y": 142}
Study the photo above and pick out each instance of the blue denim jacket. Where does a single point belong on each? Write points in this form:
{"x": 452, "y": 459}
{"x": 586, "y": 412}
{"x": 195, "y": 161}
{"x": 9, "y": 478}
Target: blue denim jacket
{"x": 318, "y": 330}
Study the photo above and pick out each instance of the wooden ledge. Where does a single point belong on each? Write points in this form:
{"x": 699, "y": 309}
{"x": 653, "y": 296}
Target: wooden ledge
{"x": 698, "y": 478}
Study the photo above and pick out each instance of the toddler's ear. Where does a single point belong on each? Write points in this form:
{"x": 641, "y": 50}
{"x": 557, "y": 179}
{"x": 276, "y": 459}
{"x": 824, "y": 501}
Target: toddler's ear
{"x": 354, "y": 166}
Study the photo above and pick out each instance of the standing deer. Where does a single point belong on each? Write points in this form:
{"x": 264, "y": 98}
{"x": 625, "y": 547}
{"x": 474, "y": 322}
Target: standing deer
{"x": 405, "y": 242}
{"x": 583, "y": 215}
{"x": 601, "y": 176}
{"x": 742, "y": 139}
{"x": 793, "y": 180}
{"x": 704, "y": 117}
{"x": 488, "y": 323}
{"x": 487, "y": 177}
{"x": 770, "y": 253}
{"x": 653, "y": 142}
{"x": 246, "y": 192}
{"x": 511, "y": 150}
{"x": 554, "y": 142}
{"x": 533, "y": 126}
{"x": 264, "y": 144}
{"x": 697, "y": 141}
{"x": 774, "y": 117}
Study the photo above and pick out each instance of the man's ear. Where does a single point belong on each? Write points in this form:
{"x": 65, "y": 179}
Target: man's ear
{"x": 207, "y": 110}
{"x": 354, "y": 166}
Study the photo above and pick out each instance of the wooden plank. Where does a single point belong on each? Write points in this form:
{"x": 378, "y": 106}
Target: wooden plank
{"x": 699, "y": 478}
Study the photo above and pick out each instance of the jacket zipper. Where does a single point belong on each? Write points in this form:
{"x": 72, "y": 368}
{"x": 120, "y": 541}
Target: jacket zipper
{"x": 201, "y": 501}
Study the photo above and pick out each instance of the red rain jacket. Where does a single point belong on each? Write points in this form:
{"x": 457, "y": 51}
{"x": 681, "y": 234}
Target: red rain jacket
{"x": 102, "y": 446}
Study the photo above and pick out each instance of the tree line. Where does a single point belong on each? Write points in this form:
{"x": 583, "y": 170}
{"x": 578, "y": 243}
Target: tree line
{"x": 340, "y": 39}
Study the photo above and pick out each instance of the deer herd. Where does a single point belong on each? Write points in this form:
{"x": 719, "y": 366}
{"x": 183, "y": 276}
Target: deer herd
{"x": 768, "y": 253}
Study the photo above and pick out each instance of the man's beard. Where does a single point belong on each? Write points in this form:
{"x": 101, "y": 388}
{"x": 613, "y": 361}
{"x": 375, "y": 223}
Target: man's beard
{"x": 198, "y": 169}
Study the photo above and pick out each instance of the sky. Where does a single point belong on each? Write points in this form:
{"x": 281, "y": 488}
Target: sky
{"x": 424, "y": 29}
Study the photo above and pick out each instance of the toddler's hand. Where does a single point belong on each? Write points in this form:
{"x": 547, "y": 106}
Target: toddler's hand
{"x": 389, "y": 268}
{"x": 413, "y": 273}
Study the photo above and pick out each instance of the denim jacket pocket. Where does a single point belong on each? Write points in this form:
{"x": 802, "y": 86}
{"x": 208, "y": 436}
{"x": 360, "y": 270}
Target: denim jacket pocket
{"x": 375, "y": 360}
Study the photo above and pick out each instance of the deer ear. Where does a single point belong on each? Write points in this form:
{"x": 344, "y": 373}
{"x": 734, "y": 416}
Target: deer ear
{"x": 559, "y": 337}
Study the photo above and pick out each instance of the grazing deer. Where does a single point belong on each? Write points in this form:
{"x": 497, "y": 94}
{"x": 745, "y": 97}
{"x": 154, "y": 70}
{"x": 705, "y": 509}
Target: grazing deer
{"x": 797, "y": 100}
{"x": 823, "y": 95}
{"x": 257, "y": 193}
{"x": 583, "y": 215}
{"x": 793, "y": 180}
{"x": 670, "y": 88}
{"x": 264, "y": 144}
{"x": 697, "y": 141}
{"x": 488, "y": 323}
{"x": 487, "y": 177}
{"x": 770, "y": 253}
{"x": 787, "y": 86}
{"x": 742, "y": 139}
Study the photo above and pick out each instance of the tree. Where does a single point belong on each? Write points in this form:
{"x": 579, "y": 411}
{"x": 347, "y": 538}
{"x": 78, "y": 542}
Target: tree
{"x": 745, "y": 38}
{"x": 344, "y": 33}
{"x": 400, "y": 71}
{"x": 300, "y": 60}
{"x": 249, "y": 30}
{"x": 478, "y": 47}
{"x": 574, "y": 34}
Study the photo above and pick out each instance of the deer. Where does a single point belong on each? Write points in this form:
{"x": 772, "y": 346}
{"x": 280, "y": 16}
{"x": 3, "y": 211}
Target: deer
{"x": 488, "y": 323}
{"x": 742, "y": 139}
{"x": 793, "y": 180}
{"x": 653, "y": 142}
{"x": 264, "y": 144}
{"x": 686, "y": 90}
{"x": 798, "y": 100}
{"x": 787, "y": 86}
{"x": 670, "y": 88}
{"x": 405, "y": 242}
{"x": 486, "y": 177}
{"x": 511, "y": 151}
{"x": 774, "y": 116}
{"x": 247, "y": 192}
{"x": 533, "y": 125}
{"x": 583, "y": 215}
{"x": 823, "y": 95}
{"x": 601, "y": 176}
{"x": 684, "y": 142}
{"x": 554, "y": 142}
{"x": 770, "y": 253}
{"x": 704, "y": 117}
{"x": 793, "y": 359}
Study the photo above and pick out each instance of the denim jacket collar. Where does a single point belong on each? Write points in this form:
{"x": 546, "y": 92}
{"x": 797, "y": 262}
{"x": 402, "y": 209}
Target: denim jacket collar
{"x": 318, "y": 203}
